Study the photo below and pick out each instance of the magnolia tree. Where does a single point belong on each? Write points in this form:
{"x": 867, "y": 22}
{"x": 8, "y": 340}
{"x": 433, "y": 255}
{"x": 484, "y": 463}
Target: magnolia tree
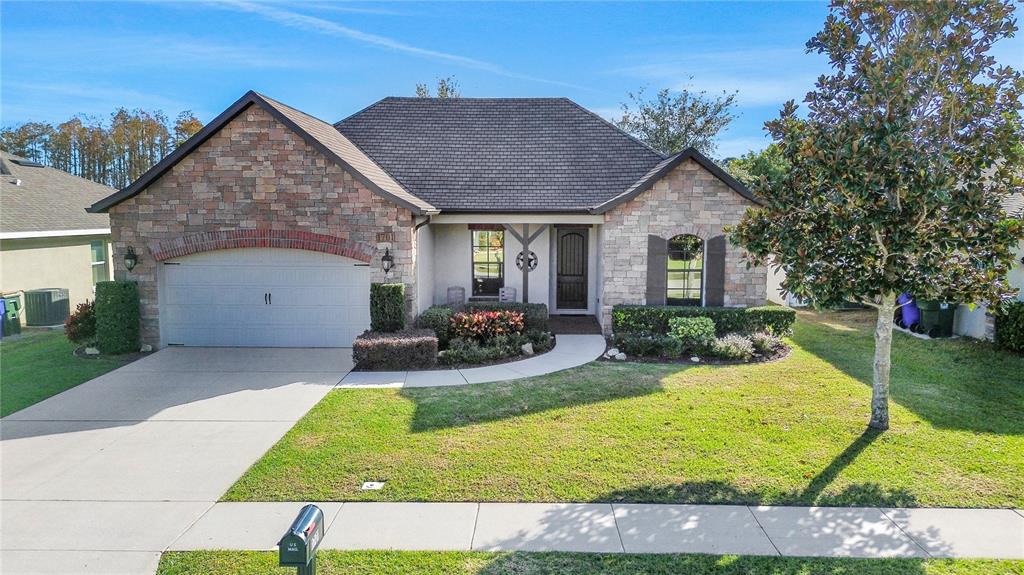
{"x": 899, "y": 169}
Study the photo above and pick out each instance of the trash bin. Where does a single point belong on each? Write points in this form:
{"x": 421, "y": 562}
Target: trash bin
{"x": 11, "y": 316}
{"x": 936, "y": 318}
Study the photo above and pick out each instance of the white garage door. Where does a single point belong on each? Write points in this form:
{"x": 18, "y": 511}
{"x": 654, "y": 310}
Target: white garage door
{"x": 263, "y": 297}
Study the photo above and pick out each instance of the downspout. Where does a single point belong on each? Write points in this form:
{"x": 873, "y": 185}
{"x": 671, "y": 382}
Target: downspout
{"x": 421, "y": 224}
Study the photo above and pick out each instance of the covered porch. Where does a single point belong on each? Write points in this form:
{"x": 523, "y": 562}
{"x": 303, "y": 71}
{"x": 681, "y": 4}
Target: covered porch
{"x": 550, "y": 259}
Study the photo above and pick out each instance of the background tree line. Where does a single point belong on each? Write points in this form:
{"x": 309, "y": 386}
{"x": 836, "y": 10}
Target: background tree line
{"x": 114, "y": 153}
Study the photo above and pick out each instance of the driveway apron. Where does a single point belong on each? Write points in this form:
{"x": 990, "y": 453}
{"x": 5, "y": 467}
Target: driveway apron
{"x": 103, "y": 477}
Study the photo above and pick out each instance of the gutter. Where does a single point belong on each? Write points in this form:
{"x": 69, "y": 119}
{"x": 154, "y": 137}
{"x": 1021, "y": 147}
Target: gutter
{"x": 53, "y": 234}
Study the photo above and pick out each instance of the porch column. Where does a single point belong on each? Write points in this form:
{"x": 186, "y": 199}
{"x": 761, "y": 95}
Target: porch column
{"x": 525, "y": 240}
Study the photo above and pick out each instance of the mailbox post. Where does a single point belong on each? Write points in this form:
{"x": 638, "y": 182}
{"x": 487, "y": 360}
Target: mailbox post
{"x": 297, "y": 548}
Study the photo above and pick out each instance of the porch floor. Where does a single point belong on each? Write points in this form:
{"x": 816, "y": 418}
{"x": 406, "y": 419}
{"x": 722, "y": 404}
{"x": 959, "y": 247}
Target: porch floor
{"x": 574, "y": 324}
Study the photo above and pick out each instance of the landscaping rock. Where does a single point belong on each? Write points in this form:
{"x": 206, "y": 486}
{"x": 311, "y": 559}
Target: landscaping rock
{"x": 695, "y": 359}
{"x": 612, "y": 352}
{"x": 620, "y": 356}
{"x": 527, "y": 348}
{"x": 91, "y": 351}
{"x": 146, "y": 348}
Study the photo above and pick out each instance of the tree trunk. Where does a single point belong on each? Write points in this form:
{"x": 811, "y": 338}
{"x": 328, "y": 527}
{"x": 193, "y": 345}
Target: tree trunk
{"x": 883, "y": 361}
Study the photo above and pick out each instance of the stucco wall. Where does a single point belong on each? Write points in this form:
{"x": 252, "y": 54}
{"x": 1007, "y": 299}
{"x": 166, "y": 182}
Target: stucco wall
{"x": 50, "y": 263}
{"x": 687, "y": 200}
{"x": 975, "y": 323}
{"x": 257, "y": 174}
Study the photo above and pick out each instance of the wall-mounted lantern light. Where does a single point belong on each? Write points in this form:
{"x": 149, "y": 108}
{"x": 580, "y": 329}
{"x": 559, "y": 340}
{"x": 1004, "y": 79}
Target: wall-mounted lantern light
{"x": 130, "y": 258}
{"x": 387, "y": 261}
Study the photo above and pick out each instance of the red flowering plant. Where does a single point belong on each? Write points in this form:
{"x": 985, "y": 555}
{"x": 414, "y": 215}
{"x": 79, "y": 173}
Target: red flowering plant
{"x": 486, "y": 325}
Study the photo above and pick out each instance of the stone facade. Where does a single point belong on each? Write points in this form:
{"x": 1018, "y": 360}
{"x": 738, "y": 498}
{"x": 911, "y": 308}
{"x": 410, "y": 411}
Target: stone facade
{"x": 256, "y": 174}
{"x": 687, "y": 200}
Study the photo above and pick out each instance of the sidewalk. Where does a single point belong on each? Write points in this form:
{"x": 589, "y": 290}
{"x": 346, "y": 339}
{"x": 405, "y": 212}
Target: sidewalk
{"x": 625, "y": 528}
{"x": 569, "y": 351}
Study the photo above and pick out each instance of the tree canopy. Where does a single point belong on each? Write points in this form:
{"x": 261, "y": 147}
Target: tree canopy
{"x": 446, "y": 88}
{"x": 671, "y": 123}
{"x": 114, "y": 153}
{"x": 752, "y": 166}
{"x": 900, "y": 167}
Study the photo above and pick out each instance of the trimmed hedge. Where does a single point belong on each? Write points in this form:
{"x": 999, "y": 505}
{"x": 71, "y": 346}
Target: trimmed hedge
{"x": 117, "y": 316}
{"x": 439, "y": 319}
{"x": 1010, "y": 326}
{"x": 647, "y": 345}
{"x": 693, "y": 333}
{"x": 654, "y": 319}
{"x": 387, "y": 307}
{"x": 535, "y": 315}
{"x": 407, "y": 349}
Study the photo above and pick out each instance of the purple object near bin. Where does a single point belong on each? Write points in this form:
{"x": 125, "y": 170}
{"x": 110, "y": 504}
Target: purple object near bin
{"x": 910, "y": 314}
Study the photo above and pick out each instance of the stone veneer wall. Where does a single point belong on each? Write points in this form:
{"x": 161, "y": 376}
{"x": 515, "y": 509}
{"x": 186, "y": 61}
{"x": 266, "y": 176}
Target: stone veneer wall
{"x": 255, "y": 173}
{"x": 687, "y": 200}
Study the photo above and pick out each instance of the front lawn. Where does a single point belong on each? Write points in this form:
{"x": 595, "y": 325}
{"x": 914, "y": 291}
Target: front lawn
{"x": 788, "y": 432}
{"x": 475, "y": 563}
{"x": 40, "y": 364}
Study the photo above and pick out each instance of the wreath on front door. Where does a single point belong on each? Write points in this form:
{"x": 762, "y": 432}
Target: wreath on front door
{"x": 530, "y": 260}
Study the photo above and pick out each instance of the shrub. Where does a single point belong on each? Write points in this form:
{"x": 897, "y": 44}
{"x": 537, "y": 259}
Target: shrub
{"x": 542, "y": 341}
{"x": 117, "y": 316}
{"x": 692, "y": 333}
{"x": 80, "y": 327}
{"x": 733, "y": 346}
{"x": 387, "y": 307}
{"x": 765, "y": 343}
{"x": 1010, "y": 326}
{"x": 439, "y": 319}
{"x": 469, "y": 351}
{"x": 398, "y": 350}
{"x": 655, "y": 319}
{"x": 486, "y": 325}
{"x": 647, "y": 345}
{"x": 775, "y": 319}
{"x": 535, "y": 315}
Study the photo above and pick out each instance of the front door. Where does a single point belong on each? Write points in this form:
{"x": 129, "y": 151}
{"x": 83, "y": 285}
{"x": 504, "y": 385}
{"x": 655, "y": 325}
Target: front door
{"x": 571, "y": 279}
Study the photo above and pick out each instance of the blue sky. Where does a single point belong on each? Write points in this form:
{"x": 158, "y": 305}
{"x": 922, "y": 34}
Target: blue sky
{"x": 332, "y": 59}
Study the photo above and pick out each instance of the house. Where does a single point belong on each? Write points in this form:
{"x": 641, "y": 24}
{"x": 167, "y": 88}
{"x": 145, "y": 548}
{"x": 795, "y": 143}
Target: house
{"x": 977, "y": 322}
{"x": 47, "y": 240}
{"x": 266, "y": 228}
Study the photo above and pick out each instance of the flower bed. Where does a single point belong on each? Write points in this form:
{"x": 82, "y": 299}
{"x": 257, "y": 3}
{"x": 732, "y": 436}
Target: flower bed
{"x": 487, "y": 334}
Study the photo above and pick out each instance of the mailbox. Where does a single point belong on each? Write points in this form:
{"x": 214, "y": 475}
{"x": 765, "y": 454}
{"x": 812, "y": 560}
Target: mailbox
{"x": 298, "y": 546}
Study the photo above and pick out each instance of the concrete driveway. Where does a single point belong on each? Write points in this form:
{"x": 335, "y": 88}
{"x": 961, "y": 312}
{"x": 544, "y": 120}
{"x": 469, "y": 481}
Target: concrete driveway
{"x": 103, "y": 477}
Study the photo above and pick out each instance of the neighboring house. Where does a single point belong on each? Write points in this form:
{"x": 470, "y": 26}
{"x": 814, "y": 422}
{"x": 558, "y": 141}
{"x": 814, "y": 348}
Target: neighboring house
{"x": 978, "y": 322}
{"x": 449, "y": 190}
{"x": 47, "y": 240}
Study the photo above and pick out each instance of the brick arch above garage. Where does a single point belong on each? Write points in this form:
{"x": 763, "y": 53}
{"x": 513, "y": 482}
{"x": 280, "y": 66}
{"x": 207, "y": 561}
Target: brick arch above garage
{"x": 254, "y": 238}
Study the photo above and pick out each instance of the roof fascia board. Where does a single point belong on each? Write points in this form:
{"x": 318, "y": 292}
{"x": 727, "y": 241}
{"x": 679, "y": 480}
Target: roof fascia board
{"x": 53, "y": 234}
{"x": 448, "y": 217}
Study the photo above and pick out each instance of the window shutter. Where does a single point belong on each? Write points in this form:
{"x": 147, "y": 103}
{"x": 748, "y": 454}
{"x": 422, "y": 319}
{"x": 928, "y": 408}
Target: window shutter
{"x": 714, "y": 270}
{"x": 657, "y": 269}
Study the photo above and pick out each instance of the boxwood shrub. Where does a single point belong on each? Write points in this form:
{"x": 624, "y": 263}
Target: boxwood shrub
{"x": 117, "y": 316}
{"x": 652, "y": 319}
{"x": 439, "y": 319}
{"x": 534, "y": 314}
{"x": 693, "y": 333}
{"x": 1010, "y": 326}
{"x": 398, "y": 350}
{"x": 387, "y": 307}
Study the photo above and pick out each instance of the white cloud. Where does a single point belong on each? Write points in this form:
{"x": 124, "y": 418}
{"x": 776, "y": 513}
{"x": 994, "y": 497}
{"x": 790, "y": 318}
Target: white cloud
{"x": 319, "y": 25}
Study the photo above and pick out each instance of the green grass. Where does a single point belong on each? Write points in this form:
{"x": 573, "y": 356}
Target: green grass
{"x": 41, "y": 364}
{"x": 475, "y": 563}
{"x": 788, "y": 432}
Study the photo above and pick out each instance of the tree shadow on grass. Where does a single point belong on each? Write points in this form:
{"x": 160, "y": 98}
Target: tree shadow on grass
{"x": 520, "y": 563}
{"x": 952, "y": 384}
{"x": 449, "y": 407}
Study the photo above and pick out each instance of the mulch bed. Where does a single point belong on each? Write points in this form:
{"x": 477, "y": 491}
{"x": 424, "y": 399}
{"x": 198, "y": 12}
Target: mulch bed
{"x": 704, "y": 360}
{"x": 127, "y": 357}
{"x": 440, "y": 367}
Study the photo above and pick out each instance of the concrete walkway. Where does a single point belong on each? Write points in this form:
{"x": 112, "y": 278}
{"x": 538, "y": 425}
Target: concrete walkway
{"x": 103, "y": 477}
{"x": 626, "y": 528}
{"x": 569, "y": 351}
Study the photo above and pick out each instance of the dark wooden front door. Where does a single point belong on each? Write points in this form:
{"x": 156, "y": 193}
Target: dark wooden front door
{"x": 571, "y": 280}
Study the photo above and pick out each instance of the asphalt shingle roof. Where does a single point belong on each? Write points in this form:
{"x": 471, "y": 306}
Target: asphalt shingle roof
{"x": 508, "y": 154}
{"x": 46, "y": 199}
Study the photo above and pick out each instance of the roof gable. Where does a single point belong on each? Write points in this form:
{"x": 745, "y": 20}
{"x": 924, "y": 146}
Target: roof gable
{"x": 317, "y": 133}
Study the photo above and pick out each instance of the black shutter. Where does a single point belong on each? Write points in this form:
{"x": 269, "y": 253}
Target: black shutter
{"x": 714, "y": 278}
{"x": 657, "y": 270}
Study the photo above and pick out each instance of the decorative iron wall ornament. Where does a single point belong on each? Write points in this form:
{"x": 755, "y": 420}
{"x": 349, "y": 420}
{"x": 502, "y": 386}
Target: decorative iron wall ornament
{"x": 530, "y": 260}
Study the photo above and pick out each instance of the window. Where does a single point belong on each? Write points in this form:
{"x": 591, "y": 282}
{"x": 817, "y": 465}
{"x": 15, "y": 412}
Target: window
{"x": 685, "y": 270}
{"x": 100, "y": 272}
{"x": 488, "y": 262}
